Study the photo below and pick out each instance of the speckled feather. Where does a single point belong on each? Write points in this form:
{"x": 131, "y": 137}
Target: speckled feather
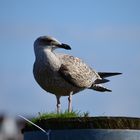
{"x": 75, "y": 71}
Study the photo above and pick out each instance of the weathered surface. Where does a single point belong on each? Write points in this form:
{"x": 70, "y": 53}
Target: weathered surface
{"x": 87, "y": 123}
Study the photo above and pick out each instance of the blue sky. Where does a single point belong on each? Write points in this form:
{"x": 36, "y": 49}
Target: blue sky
{"x": 105, "y": 34}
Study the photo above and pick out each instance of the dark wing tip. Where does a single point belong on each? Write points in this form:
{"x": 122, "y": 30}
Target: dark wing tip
{"x": 108, "y": 74}
{"x": 118, "y": 73}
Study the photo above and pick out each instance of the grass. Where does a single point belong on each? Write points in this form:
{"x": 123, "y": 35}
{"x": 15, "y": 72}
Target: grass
{"x": 44, "y": 117}
{"x": 64, "y": 114}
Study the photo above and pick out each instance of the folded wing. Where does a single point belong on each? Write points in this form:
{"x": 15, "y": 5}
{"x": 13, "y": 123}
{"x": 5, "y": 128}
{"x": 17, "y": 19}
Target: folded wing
{"x": 76, "y": 72}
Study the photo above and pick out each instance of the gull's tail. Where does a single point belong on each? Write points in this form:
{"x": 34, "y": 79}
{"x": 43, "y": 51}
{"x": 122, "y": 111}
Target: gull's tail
{"x": 97, "y": 84}
{"x": 99, "y": 87}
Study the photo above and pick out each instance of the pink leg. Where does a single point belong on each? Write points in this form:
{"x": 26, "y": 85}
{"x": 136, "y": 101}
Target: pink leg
{"x": 70, "y": 102}
{"x": 58, "y": 104}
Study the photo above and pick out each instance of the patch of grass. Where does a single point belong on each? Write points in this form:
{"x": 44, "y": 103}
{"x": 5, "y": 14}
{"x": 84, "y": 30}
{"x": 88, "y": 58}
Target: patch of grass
{"x": 65, "y": 114}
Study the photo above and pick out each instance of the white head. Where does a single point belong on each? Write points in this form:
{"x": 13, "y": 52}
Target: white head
{"x": 47, "y": 42}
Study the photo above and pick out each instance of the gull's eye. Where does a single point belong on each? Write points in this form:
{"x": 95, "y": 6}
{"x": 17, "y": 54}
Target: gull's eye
{"x": 45, "y": 42}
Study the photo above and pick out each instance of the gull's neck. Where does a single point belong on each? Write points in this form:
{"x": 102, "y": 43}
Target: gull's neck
{"x": 46, "y": 56}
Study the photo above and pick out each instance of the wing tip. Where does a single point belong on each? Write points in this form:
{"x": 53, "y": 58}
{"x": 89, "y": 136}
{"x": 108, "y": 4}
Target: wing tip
{"x": 108, "y": 74}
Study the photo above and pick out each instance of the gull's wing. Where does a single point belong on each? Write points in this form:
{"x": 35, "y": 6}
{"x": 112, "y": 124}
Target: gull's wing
{"x": 76, "y": 72}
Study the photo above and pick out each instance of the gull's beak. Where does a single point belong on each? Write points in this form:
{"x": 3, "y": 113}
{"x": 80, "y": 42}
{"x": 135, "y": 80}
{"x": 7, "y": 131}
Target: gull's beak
{"x": 64, "y": 46}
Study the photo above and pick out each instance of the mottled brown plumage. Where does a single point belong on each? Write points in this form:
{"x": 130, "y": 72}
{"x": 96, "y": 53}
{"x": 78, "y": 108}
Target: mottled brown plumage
{"x": 75, "y": 71}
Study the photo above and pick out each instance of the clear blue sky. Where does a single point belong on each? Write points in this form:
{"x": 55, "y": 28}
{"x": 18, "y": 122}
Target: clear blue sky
{"x": 104, "y": 33}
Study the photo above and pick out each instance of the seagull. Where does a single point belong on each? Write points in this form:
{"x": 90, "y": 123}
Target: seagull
{"x": 63, "y": 74}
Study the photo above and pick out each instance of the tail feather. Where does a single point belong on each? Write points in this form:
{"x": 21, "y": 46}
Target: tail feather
{"x": 108, "y": 74}
{"x": 100, "y": 88}
{"x": 97, "y": 83}
{"x": 100, "y": 81}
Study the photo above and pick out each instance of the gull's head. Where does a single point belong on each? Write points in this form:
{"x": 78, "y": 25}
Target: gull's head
{"x": 47, "y": 42}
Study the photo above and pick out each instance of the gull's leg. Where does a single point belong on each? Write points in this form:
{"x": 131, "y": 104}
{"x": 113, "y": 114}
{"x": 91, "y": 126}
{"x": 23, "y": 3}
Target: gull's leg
{"x": 58, "y": 104}
{"x": 70, "y": 102}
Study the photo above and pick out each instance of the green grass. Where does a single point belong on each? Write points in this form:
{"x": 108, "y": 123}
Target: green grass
{"x": 44, "y": 117}
{"x": 65, "y": 114}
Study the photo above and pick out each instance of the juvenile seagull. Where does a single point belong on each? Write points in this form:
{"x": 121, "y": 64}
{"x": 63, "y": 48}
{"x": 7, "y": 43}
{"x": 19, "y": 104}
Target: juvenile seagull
{"x": 62, "y": 74}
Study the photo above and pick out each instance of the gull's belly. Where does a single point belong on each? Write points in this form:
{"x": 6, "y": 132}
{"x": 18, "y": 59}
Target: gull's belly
{"x": 54, "y": 83}
{"x": 58, "y": 86}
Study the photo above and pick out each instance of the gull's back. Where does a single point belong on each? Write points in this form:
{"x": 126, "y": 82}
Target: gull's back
{"x": 76, "y": 72}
